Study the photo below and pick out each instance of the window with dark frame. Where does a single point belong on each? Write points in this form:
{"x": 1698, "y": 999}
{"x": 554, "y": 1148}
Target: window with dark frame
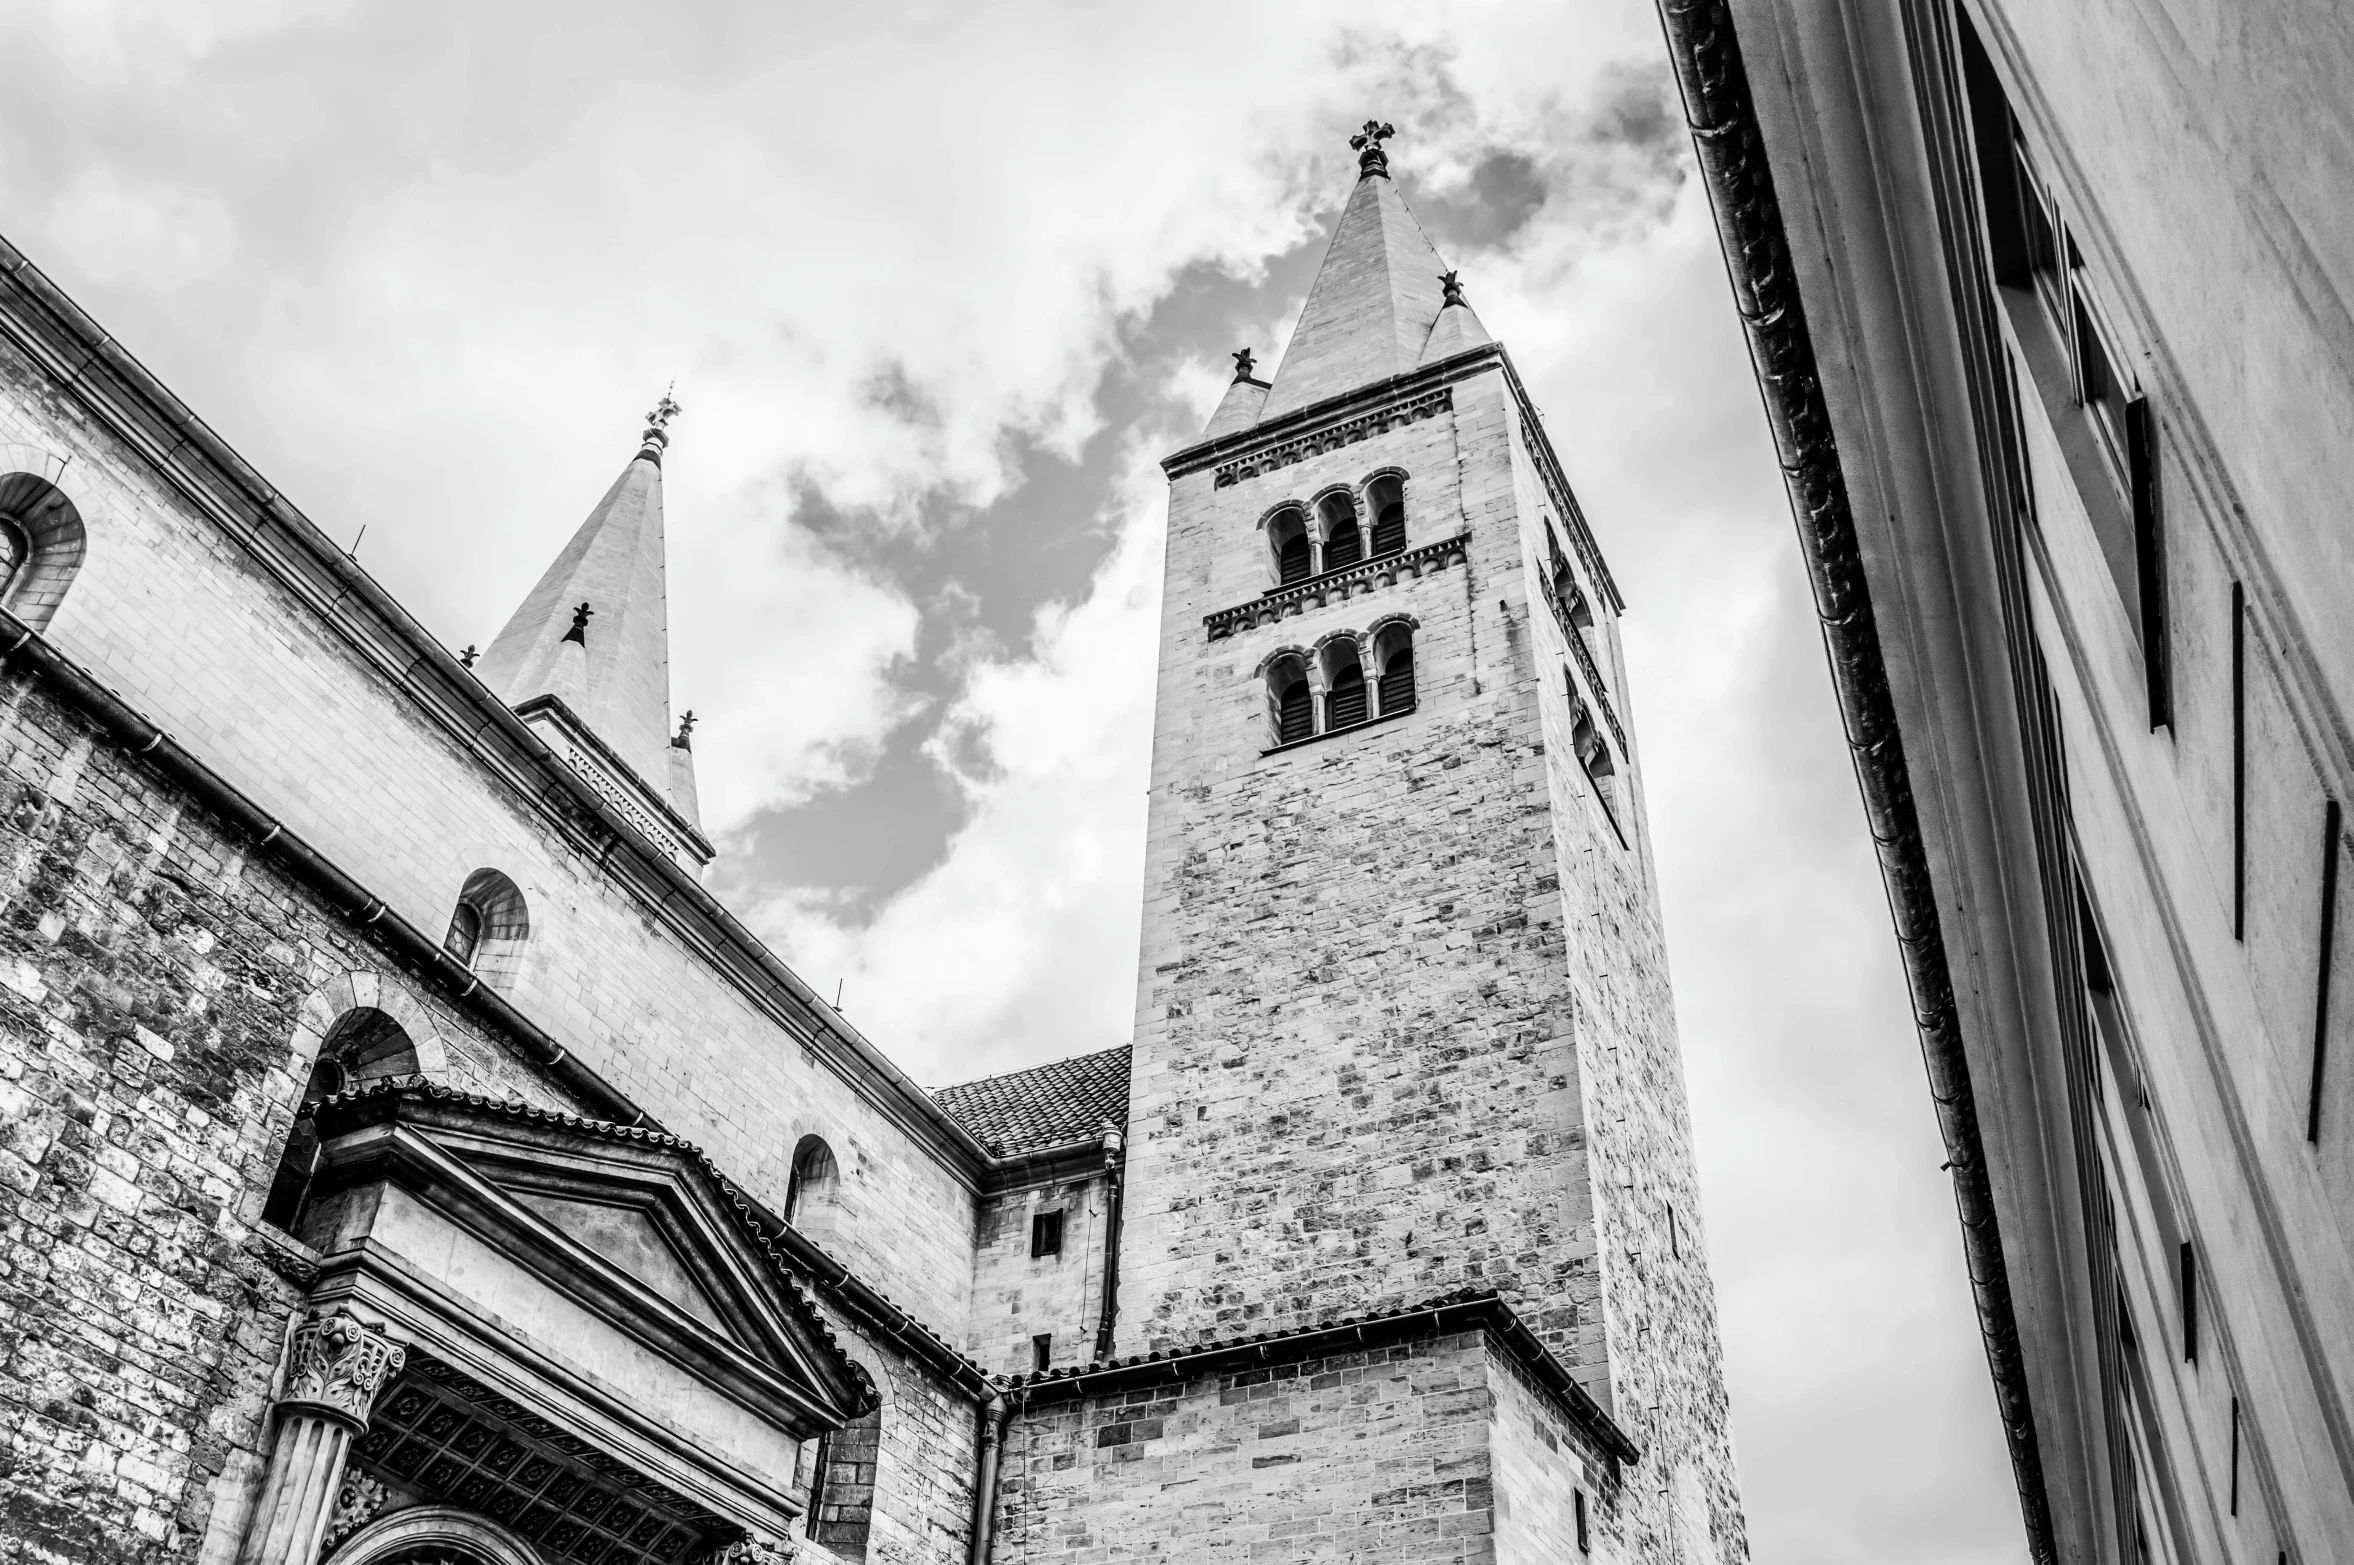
{"x": 1042, "y": 1353}
{"x": 2031, "y": 251}
{"x": 1578, "y": 1506}
{"x": 1046, "y": 1234}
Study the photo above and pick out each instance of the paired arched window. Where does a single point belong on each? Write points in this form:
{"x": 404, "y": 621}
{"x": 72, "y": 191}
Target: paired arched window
{"x": 1592, "y": 750}
{"x": 364, "y": 1045}
{"x": 1287, "y": 537}
{"x": 42, "y": 541}
{"x": 1393, "y": 657}
{"x": 1348, "y": 681}
{"x": 1291, "y": 704}
{"x": 1385, "y": 497}
{"x": 1344, "y": 542}
{"x": 1333, "y": 534}
{"x": 488, "y": 926}
{"x": 1346, "y": 701}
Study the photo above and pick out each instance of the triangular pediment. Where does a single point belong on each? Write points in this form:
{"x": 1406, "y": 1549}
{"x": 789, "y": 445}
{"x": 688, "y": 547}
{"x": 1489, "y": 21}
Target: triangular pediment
{"x": 631, "y": 1224}
{"x": 632, "y": 1240}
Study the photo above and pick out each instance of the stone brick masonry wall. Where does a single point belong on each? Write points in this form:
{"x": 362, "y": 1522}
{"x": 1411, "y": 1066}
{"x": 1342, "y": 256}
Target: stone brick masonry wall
{"x": 1379, "y": 1455}
{"x": 159, "y": 1003}
{"x": 1356, "y": 1081}
{"x": 174, "y": 612}
{"x": 1017, "y": 1296}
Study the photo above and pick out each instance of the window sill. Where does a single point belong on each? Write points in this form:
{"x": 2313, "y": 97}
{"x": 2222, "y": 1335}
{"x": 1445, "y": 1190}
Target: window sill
{"x": 1335, "y": 733}
{"x": 1310, "y": 583}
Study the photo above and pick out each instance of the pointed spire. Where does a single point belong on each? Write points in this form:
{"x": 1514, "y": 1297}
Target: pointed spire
{"x": 1375, "y": 297}
{"x": 595, "y": 630}
{"x": 1245, "y": 395}
{"x": 1457, "y": 329}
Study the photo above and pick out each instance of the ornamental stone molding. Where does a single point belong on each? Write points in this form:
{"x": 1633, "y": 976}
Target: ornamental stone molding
{"x": 1332, "y": 586}
{"x": 356, "y": 1504}
{"x": 1334, "y": 436}
{"x": 337, "y": 1366}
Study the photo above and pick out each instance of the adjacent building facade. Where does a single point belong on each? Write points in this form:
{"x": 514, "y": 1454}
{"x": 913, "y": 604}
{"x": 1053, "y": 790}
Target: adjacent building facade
{"x": 405, "y": 1159}
{"x": 2050, "y": 307}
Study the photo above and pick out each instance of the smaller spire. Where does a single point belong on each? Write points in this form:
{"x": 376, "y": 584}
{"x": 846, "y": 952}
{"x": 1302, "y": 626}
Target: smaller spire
{"x": 580, "y": 619}
{"x": 1370, "y": 158}
{"x": 657, "y": 436}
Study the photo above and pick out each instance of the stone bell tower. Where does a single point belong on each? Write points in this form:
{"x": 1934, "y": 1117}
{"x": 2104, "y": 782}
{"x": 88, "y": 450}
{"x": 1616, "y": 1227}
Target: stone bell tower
{"x": 1403, "y": 1020}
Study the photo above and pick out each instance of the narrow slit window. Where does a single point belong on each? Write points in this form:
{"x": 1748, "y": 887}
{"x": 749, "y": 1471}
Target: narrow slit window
{"x": 2189, "y": 1267}
{"x": 2239, "y": 762}
{"x": 1578, "y": 1507}
{"x": 1046, "y": 1234}
{"x": 1042, "y": 1353}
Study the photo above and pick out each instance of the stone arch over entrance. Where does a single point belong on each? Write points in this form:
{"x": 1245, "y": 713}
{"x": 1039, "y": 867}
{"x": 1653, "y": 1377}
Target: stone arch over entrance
{"x": 434, "y": 1535}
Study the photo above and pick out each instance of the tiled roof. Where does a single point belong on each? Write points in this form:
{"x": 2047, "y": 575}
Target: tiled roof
{"x": 1044, "y": 1106}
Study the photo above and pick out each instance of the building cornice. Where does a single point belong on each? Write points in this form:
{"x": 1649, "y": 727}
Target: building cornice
{"x": 38, "y": 317}
{"x": 1462, "y": 1312}
{"x": 1706, "y": 55}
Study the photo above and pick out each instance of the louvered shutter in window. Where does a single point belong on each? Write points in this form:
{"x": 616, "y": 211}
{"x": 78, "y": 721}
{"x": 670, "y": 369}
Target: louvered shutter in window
{"x": 1397, "y": 682}
{"x": 1346, "y": 704}
{"x": 1292, "y": 560}
{"x": 1345, "y": 547}
{"x": 1389, "y": 531}
{"x": 1295, "y": 717}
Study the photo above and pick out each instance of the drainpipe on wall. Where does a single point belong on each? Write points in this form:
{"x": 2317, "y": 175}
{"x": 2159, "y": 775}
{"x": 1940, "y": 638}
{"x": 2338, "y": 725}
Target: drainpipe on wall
{"x": 1112, "y": 1144}
{"x": 995, "y": 1413}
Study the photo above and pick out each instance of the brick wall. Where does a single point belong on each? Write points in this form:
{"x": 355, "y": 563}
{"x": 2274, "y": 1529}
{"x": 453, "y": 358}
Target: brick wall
{"x": 1356, "y": 1079}
{"x": 1362, "y": 1456}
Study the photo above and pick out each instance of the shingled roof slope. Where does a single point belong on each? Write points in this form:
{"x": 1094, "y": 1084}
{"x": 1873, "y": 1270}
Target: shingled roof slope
{"x": 1044, "y": 1106}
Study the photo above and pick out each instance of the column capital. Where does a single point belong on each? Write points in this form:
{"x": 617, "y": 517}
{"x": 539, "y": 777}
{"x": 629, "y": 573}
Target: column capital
{"x": 752, "y": 1551}
{"x": 337, "y": 1366}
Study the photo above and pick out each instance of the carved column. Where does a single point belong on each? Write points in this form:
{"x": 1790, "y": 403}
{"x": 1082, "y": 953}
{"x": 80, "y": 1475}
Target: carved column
{"x": 333, "y": 1373}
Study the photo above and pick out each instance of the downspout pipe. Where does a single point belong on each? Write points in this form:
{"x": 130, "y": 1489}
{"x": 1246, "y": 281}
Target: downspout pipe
{"x": 996, "y": 1412}
{"x": 1113, "y": 1144}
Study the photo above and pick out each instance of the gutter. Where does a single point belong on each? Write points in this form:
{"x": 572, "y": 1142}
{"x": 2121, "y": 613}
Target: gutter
{"x": 1731, "y": 152}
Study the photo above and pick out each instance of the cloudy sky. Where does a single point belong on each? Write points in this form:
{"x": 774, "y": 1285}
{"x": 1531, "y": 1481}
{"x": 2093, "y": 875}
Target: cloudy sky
{"x": 938, "y": 283}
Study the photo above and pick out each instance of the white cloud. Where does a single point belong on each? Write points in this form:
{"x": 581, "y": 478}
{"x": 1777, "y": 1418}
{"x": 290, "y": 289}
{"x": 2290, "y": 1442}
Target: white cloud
{"x": 1022, "y": 944}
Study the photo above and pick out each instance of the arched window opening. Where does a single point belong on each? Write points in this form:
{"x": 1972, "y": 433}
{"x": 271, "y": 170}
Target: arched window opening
{"x": 364, "y": 1045}
{"x": 465, "y": 934}
{"x": 45, "y": 541}
{"x": 842, "y": 1494}
{"x": 1287, "y": 536}
{"x": 813, "y": 1192}
{"x": 1291, "y": 706}
{"x": 1593, "y": 752}
{"x": 1387, "y": 497}
{"x": 1343, "y": 544}
{"x": 1393, "y": 653}
{"x": 1344, "y": 684}
{"x": 489, "y": 926}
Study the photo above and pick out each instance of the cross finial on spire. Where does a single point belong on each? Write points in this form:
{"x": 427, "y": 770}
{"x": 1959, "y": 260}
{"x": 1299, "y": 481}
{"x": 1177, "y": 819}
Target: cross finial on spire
{"x": 657, "y": 433}
{"x": 467, "y": 657}
{"x": 1370, "y": 158}
{"x": 1244, "y": 363}
{"x": 1452, "y": 285}
{"x": 579, "y": 630}
{"x": 686, "y": 726}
